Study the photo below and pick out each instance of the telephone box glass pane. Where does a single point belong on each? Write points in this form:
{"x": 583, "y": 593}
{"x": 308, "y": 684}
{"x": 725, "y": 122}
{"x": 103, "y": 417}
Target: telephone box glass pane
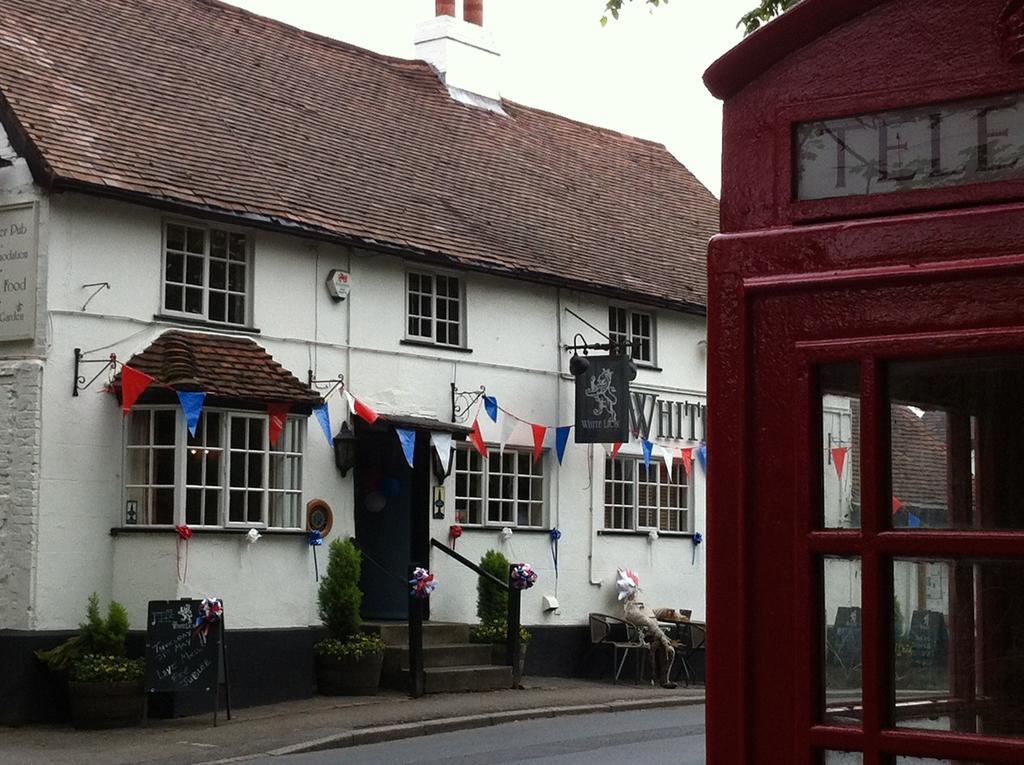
{"x": 930, "y": 761}
{"x": 842, "y": 641}
{"x": 957, "y": 443}
{"x": 840, "y": 445}
{"x": 957, "y": 659}
{"x": 843, "y": 758}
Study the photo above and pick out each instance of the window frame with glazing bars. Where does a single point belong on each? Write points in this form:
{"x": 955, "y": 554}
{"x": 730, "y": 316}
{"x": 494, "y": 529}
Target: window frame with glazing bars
{"x": 290, "y": 448}
{"x": 420, "y": 295}
{"x": 631, "y": 486}
{"x": 615, "y": 335}
{"x": 476, "y": 465}
{"x": 209, "y": 260}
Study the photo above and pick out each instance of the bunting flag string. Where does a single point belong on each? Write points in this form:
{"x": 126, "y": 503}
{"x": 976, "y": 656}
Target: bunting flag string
{"x": 442, "y": 443}
{"x": 407, "y": 437}
{"x": 323, "y": 416}
{"x": 477, "y": 439}
{"x": 702, "y": 455}
{"x": 648, "y": 448}
{"x": 133, "y": 384}
{"x": 508, "y": 426}
{"x": 687, "y": 455}
{"x": 539, "y": 432}
{"x": 615, "y": 449}
{"x": 278, "y": 413}
{"x": 839, "y": 459}
{"x": 360, "y": 409}
{"x": 192, "y": 406}
{"x": 561, "y": 439}
{"x": 491, "y": 407}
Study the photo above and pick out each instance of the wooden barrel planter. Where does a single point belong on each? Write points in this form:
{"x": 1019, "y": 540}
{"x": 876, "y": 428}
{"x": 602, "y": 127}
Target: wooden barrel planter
{"x": 349, "y": 676}
{"x": 106, "y": 705}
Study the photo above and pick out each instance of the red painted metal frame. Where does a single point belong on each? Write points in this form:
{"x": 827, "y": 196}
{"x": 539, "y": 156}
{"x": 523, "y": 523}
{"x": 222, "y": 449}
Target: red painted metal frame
{"x": 769, "y": 330}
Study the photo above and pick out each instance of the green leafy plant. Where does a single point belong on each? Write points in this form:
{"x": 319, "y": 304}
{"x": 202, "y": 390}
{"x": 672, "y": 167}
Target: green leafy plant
{"x": 96, "y": 635}
{"x": 492, "y": 600}
{"x": 355, "y": 647}
{"x": 339, "y": 599}
{"x": 100, "y": 668}
{"x": 496, "y": 632}
{"x": 339, "y": 596}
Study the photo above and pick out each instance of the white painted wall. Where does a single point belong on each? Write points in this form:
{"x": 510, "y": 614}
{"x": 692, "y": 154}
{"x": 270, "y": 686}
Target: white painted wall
{"x": 514, "y": 330}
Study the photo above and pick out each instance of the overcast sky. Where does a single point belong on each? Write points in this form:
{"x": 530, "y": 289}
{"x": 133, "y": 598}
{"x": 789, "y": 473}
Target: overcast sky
{"x": 640, "y": 74}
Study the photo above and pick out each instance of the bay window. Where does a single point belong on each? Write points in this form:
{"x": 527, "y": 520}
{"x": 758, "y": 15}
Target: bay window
{"x": 227, "y": 474}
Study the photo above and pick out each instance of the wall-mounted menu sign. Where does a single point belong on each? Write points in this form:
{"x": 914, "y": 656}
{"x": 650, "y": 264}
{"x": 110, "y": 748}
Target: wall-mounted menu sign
{"x": 919, "y": 148}
{"x": 18, "y": 270}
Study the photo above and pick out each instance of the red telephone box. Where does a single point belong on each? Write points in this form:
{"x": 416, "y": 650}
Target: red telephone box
{"x": 866, "y": 449}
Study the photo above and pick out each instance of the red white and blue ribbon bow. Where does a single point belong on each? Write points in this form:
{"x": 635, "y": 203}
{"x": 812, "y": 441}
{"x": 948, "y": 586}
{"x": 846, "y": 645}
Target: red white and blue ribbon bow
{"x": 210, "y": 612}
{"x": 422, "y": 583}
{"x": 522, "y": 576}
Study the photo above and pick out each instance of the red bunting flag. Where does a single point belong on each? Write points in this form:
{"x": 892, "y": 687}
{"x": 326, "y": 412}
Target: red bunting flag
{"x": 357, "y": 407}
{"x": 278, "y": 416}
{"x": 687, "y": 460}
{"x": 538, "y": 440}
{"x": 477, "y": 439}
{"x": 896, "y": 505}
{"x": 615, "y": 449}
{"x": 133, "y": 383}
{"x": 839, "y": 458}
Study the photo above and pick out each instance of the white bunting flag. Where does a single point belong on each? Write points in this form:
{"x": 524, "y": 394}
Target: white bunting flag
{"x": 666, "y": 454}
{"x": 442, "y": 443}
{"x": 508, "y": 426}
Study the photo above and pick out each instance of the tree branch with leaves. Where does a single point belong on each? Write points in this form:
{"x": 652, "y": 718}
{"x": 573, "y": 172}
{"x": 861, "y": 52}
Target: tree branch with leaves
{"x": 751, "y": 20}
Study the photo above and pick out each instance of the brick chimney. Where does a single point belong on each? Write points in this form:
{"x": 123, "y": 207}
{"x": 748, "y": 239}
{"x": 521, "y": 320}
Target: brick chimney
{"x": 462, "y": 52}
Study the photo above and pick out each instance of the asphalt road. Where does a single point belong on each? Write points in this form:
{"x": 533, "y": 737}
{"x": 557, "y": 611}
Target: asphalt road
{"x": 658, "y": 737}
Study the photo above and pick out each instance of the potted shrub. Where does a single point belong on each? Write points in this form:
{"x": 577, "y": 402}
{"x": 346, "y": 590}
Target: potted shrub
{"x": 492, "y": 610}
{"x": 348, "y": 662}
{"x": 496, "y": 633}
{"x": 492, "y": 600}
{"x": 104, "y": 686}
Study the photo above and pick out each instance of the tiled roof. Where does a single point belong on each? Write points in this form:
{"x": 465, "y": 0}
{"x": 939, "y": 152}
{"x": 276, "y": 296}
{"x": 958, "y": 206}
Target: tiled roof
{"x": 200, "y": 104}
{"x": 224, "y": 367}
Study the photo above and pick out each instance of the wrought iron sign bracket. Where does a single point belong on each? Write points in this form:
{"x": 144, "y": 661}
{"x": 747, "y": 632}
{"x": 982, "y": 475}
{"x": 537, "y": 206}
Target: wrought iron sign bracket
{"x": 79, "y": 382}
{"x": 330, "y": 385}
{"x": 462, "y": 400}
{"x": 579, "y": 343}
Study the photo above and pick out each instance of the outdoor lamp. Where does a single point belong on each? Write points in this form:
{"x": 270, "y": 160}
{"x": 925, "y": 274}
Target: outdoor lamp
{"x": 345, "y": 449}
{"x": 578, "y": 365}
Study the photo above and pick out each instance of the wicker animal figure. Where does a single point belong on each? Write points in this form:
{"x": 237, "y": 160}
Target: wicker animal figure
{"x": 663, "y": 653}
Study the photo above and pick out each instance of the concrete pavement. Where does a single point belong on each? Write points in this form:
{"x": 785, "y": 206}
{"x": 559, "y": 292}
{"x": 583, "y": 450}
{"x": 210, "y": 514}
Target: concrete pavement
{"x": 326, "y": 723}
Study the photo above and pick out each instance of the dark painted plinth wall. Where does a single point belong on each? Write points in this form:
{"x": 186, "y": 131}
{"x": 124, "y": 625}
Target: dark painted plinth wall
{"x": 265, "y": 666}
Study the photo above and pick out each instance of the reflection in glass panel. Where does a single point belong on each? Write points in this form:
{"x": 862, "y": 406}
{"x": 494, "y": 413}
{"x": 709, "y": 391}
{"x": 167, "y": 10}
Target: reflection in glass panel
{"x": 842, "y": 758}
{"x": 842, "y": 640}
{"x": 930, "y": 761}
{"x": 957, "y": 443}
{"x": 958, "y": 663}
{"x": 840, "y": 437}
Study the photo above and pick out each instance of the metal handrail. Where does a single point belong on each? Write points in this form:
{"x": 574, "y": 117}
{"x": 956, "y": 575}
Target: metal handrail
{"x": 512, "y": 621}
{"x": 470, "y": 564}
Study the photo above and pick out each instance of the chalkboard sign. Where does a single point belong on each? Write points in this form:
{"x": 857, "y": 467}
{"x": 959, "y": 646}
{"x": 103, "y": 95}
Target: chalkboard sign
{"x": 179, "y": 655}
{"x": 929, "y": 639}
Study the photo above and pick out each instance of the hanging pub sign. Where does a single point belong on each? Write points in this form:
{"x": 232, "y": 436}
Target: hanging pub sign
{"x": 602, "y": 400}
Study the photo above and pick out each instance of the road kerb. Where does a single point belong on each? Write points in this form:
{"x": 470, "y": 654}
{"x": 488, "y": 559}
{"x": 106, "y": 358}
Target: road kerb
{"x": 395, "y": 732}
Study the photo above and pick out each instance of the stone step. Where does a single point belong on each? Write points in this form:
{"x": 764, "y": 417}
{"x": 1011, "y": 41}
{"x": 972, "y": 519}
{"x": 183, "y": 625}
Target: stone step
{"x": 457, "y": 679}
{"x": 396, "y": 658}
{"x": 434, "y": 633}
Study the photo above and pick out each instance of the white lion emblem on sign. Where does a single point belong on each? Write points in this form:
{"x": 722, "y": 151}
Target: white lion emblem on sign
{"x": 602, "y": 393}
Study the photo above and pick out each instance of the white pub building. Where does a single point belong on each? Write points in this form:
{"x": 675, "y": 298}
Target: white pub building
{"x": 211, "y": 202}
